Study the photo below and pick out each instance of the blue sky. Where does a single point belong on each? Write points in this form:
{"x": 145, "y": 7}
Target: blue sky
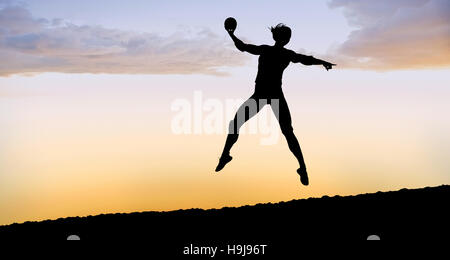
{"x": 188, "y": 36}
{"x": 312, "y": 19}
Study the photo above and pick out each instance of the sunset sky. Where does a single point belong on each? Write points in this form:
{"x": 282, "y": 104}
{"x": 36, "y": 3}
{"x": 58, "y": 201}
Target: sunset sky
{"x": 87, "y": 88}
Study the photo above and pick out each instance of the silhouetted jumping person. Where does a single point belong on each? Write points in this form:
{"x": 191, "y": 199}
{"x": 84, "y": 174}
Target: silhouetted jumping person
{"x": 271, "y": 64}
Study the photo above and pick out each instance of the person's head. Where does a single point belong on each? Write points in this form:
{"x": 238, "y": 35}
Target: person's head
{"x": 281, "y": 34}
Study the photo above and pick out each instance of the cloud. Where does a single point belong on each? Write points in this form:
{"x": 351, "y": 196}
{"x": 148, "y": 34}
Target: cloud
{"x": 29, "y": 45}
{"x": 401, "y": 34}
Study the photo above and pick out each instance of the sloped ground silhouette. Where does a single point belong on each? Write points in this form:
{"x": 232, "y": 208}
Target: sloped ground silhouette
{"x": 415, "y": 214}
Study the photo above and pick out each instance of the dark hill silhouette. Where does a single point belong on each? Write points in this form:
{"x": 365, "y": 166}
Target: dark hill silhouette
{"x": 415, "y": 214}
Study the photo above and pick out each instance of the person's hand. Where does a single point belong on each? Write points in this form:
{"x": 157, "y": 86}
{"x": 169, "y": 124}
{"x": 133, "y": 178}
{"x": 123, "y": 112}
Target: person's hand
{"x": 230, "y": 31}
{"x": 328, "y": 66}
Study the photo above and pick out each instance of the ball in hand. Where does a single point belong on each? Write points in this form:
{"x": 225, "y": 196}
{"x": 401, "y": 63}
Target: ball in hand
{"x": 230, "y": 24}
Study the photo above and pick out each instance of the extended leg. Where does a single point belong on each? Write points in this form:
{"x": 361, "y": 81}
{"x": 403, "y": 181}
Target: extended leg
{"x": 294, "y": 146}
{"x": 282, "y": 113}
{"x": 246, "y": 111}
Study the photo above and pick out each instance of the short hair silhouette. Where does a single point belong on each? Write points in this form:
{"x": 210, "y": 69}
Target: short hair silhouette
{"x": 281, "y": 33}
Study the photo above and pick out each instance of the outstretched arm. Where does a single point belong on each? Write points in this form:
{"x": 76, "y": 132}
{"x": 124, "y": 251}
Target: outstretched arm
{"x": 310, "y": 60}
{"x": 250, "y": 48}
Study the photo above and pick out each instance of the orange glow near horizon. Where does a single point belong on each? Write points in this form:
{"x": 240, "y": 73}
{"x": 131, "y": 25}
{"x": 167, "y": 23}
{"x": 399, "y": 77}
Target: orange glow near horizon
{"x": 84, "y": 154}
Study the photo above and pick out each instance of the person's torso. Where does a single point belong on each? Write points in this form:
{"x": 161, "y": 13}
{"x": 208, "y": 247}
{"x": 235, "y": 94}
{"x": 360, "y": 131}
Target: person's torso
{"x": 271, "y": 65}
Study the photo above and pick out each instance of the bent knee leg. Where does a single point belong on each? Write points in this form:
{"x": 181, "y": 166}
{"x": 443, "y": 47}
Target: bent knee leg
{"x": 287, "y": 130}
{"x": 233, "y": 127}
